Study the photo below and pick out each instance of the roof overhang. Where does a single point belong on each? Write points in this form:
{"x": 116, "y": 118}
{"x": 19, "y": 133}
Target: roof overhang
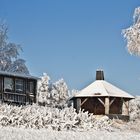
{"x": 18, "y": 75}
{"x": 71, "y": 98}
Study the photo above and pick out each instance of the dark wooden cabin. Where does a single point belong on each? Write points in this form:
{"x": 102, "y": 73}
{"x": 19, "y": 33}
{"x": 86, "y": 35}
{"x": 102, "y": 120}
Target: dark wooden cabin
{"x": 103, "y": 98}
{"x": 17, "y": 88}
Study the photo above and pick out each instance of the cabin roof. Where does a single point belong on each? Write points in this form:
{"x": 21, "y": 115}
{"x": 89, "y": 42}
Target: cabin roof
{"x": 101, "y": 88}
{"x": 18, "y": 75}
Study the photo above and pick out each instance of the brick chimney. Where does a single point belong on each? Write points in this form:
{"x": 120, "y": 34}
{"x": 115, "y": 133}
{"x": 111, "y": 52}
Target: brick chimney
{"x": 99, "y": 75}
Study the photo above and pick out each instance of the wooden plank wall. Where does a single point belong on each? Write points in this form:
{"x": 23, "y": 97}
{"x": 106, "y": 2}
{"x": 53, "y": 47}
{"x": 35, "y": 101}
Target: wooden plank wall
{"x": 18, "y": 98}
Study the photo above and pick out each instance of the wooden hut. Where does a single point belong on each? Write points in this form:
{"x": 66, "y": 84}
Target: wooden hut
{"x": 103, "y": 98}
{"x": 17, "y": 88}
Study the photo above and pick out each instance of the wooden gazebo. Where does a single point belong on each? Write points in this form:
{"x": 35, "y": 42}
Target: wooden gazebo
{"x": 17, "y": 88}
{"x": 103, "y": 98}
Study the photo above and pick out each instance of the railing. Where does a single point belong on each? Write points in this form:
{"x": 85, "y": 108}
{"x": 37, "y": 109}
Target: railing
{"x": 14, "y": 97}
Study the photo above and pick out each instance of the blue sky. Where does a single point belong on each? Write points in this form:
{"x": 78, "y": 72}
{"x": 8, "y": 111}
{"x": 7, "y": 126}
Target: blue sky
{"x": 73, "y": 38}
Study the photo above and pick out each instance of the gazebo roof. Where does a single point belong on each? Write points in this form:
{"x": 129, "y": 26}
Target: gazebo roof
{"x": 101, "y": 88}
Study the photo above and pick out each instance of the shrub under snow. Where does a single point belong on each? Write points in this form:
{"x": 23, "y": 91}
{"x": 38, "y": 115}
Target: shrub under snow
{"x": 135, "y": 108}
{"x": 35, "y": 116}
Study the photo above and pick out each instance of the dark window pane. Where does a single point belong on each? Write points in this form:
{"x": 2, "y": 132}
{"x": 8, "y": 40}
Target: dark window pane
{"x": 31, "y": 87}
{"x": 0, "y": 88}
{"x": 19, "y": 85}
{"x": 8, "y": 84}
{"x": 0, "y": 84}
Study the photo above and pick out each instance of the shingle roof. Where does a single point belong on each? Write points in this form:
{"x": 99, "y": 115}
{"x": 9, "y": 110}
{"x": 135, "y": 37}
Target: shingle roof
{"x": 101, "y": 88}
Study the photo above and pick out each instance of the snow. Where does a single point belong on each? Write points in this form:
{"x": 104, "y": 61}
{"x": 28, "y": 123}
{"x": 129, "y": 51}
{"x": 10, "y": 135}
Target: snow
{"x": 132, "y": 34}
{"x": 102, "y": 88}
{"x": 38, "y": 117}
{"x": 135, "y": 109}
{"x": 52, "y": 94}
{"x": 10, "y": 133}
{"x": 42, "y": 122}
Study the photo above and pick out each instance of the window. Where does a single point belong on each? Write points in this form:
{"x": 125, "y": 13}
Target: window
{"x": 0, "y": 84}
{"x": 8, "y": 84}
{"x": 19, "y": 85}
{"x": 0, "y": 87}
{"x": 30, "y": 92}
{"x": 31, "y": 86}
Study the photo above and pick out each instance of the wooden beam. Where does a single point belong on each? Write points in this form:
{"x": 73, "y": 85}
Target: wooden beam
{"x": 78, "y": 104}
{"x": 101, "y": 102}
{"x": 84, "y": 101}
{"x": 107, "y": 105}
{"x": 112, "y": 102}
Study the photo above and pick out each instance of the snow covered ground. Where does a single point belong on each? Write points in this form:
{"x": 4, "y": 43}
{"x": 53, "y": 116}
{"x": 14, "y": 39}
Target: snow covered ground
{"x": 41, "y": 123}
{"x": 9, "y": 133}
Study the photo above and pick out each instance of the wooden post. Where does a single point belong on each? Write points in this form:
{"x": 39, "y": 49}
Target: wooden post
{"x": 78, "y": 104}
{"x": 106, "y": 105}
{"x": 125, "y": 107}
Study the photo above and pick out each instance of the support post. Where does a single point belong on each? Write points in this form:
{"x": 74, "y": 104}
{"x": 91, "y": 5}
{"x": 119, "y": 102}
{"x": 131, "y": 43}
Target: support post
{"x": 78, "y": 104}
{"x": 125, "y": 107}
{"x": 106, "y": 105}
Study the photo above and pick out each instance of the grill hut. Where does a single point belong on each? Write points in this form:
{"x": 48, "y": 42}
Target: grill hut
{"x": 103, "y": 98}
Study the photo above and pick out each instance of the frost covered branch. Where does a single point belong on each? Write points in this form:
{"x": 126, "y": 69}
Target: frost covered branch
{"x": 52, "y": 94}
{"x": 132, "y": 34}
{"x": 9, "y": 53}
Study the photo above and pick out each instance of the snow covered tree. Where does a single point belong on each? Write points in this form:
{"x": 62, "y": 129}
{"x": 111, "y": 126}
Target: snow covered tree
{"x": 52, "y": 94}
{"x": 9, "y": 53}
{"x": 132, "y": 34}
{"x": 43, "y": 89}
{"x": 59, "y": 93}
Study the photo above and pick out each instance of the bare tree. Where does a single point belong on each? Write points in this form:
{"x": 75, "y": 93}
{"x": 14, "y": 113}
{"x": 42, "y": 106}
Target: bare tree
{"x": 9, "y": 53}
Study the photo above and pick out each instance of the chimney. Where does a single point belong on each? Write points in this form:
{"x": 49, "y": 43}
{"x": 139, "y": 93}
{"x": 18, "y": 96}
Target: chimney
{"x": 99, "y": 75}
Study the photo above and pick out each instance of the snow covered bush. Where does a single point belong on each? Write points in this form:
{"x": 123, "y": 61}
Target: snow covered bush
{"x": 35, "y": 116}
{"x": 9, "y": 53}
{"x": 134, "y": 123}
{"x": 52, "y": 94}
{"x": 135, "y": 108}
{"x": 38, "y": 117}
{"x": 132, "y": 34}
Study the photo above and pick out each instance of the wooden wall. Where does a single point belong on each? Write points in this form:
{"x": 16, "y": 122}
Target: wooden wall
{"x": 13, "y": 97}
{"x": 93, "y": 105}
{"x": 116, "y": 106}
{"x": 97, "y": 105}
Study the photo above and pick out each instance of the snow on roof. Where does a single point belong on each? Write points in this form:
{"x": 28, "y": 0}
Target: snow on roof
{"x": 18, "y": 75}
{"x": 101, "y": 88}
